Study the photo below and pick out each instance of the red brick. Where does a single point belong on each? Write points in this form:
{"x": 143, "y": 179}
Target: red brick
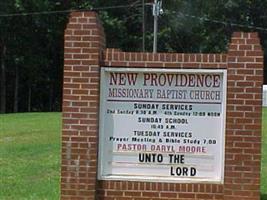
{"x": 186, "y": 195}
{"x": 254, "y": 53}
{"x": 245, "y": 47}
{"x": 238, "y": 41}
{"x": 237, "y": 35}
{"x": 253, "y": 41}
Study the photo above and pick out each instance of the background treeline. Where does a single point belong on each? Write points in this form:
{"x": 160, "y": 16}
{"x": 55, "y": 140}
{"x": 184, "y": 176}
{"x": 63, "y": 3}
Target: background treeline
{"x": 31, "y": 38}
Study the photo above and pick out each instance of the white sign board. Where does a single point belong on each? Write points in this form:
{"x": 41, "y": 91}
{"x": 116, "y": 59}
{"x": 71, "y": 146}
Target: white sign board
{"x": 264, "y": 96}
{"x": 162, "y": 125}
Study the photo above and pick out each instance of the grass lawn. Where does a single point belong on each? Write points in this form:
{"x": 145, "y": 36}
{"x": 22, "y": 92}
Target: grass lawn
{"x": 29, "y": 156}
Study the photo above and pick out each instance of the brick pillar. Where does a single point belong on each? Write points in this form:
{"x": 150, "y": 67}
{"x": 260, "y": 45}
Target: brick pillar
{"x": 243, "y": 136}
{"x": 84, "y": 45}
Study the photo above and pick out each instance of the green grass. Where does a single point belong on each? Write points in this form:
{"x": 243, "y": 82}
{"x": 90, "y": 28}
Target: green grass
{"x": 30, "y": 156}
{"x": 264, "y": 156}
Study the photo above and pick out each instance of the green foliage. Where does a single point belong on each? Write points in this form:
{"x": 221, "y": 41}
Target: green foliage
{"x": 29, "y": 156}
{"x": 112, "y": 25}
{"x": 35, "y": 42}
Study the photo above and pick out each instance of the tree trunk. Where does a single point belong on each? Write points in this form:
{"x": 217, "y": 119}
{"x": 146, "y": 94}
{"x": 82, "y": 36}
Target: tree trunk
{"x": 51, "y": 92}
{"x": 16, "y": 89}
{"x": 29, "y": 98}
{"x": 3, "y": 80}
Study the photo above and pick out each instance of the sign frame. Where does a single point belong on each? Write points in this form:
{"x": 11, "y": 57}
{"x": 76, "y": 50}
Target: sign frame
{"x": 102, "y": 111}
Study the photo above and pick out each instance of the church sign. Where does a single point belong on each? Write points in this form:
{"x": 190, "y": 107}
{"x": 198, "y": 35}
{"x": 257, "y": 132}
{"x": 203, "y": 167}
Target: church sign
{"x": 162, "y": 125}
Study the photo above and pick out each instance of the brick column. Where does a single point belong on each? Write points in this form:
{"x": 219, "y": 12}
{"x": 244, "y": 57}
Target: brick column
{"x": 84, "y": 45}
{"x": 243, "y": 137}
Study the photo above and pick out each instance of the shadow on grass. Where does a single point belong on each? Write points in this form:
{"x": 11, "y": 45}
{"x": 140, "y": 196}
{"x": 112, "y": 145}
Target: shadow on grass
{"x": 263, "y": 196}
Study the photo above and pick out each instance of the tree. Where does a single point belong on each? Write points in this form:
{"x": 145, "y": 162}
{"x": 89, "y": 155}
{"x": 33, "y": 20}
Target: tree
{"x": 3, "y": 77}
{"x": 31, "y": 46}
{"x": 33, "y": 62}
